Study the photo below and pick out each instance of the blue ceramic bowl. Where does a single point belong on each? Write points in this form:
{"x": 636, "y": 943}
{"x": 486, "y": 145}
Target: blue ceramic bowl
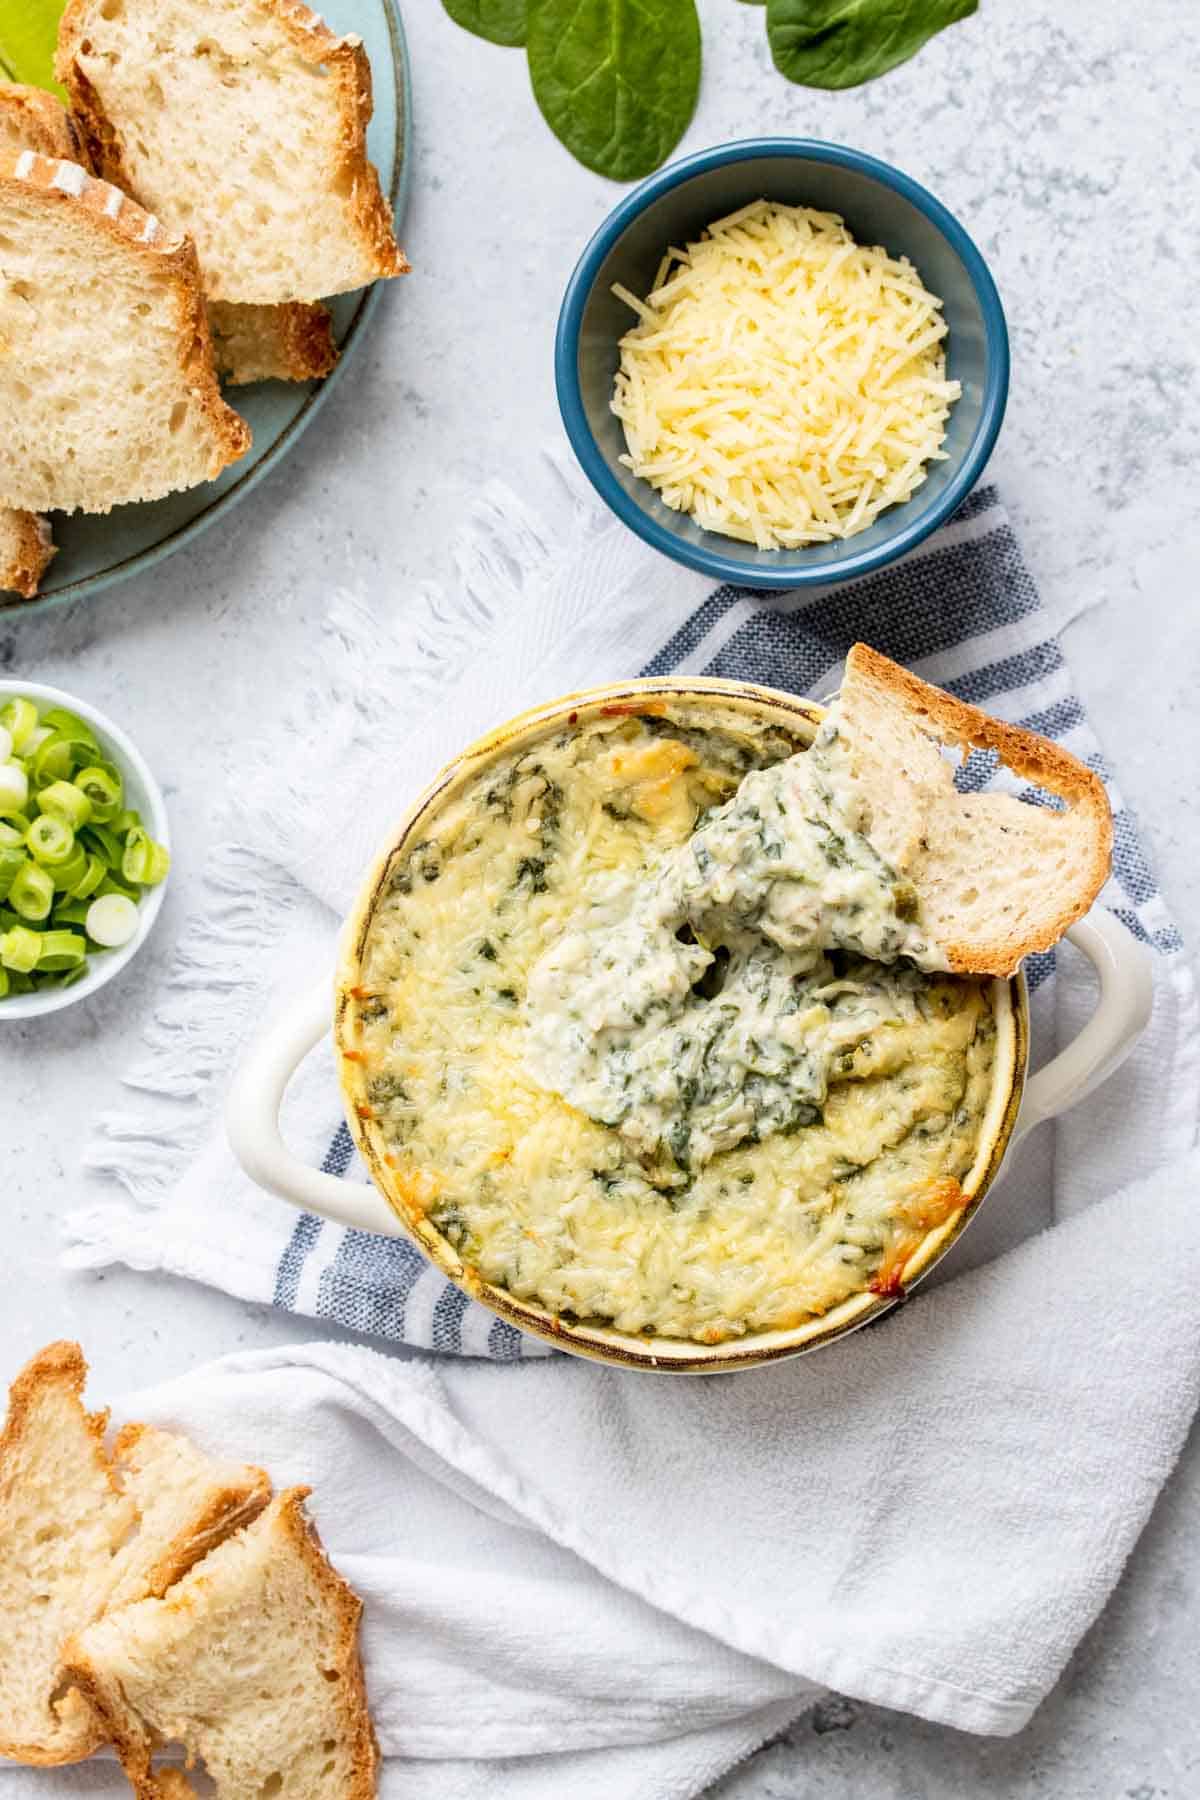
{"x": 880, "y": 206}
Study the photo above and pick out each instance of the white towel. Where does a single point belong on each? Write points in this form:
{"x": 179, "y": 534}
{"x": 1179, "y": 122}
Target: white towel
{"x": 609, "y": 1586}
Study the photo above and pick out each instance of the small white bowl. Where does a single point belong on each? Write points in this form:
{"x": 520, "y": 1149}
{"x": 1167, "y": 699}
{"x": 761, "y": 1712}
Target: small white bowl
{"x": 141, "y": 792}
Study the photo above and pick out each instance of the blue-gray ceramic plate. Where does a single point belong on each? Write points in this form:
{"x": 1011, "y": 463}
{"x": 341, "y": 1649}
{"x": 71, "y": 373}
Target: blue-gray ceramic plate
{"x": 881, "y": 205}
{"x": 95, "y": 549}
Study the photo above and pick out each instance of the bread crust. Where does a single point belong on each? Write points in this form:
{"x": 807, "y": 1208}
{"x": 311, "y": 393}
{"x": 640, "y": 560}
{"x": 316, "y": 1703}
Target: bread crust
{"x": 347, "y": 1606}
{"x": 135, "y": 1747}
{"x": 30, "y": 553}
{"x": 37, "y": 120}
{"x": 24, "y": 175}
{"x": 347, "y": 66}
{"x": 1038, "y": 759}
{"x": 229, "y": 1508}
{"x": 60, "y": 1365}
{"x": 292, "y": 341}
{"x": 372, "y": 217}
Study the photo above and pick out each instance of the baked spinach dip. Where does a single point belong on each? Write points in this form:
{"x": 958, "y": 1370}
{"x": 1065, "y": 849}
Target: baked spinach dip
{"x": 654, "y": 1039}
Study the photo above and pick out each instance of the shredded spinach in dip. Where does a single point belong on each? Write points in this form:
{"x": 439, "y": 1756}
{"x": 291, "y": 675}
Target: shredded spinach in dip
{"x": 647, "y": 1032}
{"x": 698, "y": 1006}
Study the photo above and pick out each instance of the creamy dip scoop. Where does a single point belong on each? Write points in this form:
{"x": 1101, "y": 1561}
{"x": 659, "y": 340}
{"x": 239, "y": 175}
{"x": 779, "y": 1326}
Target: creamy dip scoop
{"x": 708, "y": 1004}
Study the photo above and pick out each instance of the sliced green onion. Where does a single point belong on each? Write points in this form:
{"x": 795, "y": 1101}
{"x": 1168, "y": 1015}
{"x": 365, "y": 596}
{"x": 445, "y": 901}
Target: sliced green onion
{"x": 112, "y": 920}
{"x": 52, "y": 761}
{"x": 113, "y": 884}
{"x": 12, "y": 858}
{"x": 20, "y": 948}
{"x": 50, "y": 840}
{"x": 69, "y": 911}
{"x": 69, "y": 977}
{"x": 101, "y": 783}
{"x": 61, "y": 950}
{"x": 19, "y": 717}
{"x": 58, "y": 718}
{"x": 14, "y": 789}
{"x": 144, "y": 861}
{"x": 75, "y": 859}
{"x": 69, "y": 873}
{"x": 105, "y": 843}
{"x": 32, "y": 892}
{"x": 90, "y": 880}
{"x": 67, "y": 801}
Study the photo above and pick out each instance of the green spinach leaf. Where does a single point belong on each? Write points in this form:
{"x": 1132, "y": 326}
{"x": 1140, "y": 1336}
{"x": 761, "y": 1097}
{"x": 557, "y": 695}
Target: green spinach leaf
{"x": 28, "y": 35}
{"x": 840, "y": 43}
{"x": 616, "y": 80}
{"x": 499, "y": 21}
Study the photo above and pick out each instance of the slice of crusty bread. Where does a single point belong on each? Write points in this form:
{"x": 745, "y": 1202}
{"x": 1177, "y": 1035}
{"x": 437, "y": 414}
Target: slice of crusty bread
{"x": 251, "y": 1662}
{"x": 63, "y": 1519}
{"x": 272, "y": 343}
{"x": 274, "y": 185}
{"x": 187, "y": 1503}
{"x": 107, "y": 386}
{"x": 30, "y": 119}
{"x": 998, "y": 877}
{"x": 79, "y": 1533}
{"x": 250, "y": 343}
{"x": 26, "y": 548}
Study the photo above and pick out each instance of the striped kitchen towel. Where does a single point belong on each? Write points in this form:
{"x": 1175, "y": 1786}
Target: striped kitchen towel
{"x": 536, "y": 616}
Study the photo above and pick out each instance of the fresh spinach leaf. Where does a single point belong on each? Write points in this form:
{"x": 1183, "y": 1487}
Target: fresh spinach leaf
{"x": 499, "y": 21}
{"x": 616, "y": 80}
{"x": 840, "y": 43}
{"x": 28, "y": 36}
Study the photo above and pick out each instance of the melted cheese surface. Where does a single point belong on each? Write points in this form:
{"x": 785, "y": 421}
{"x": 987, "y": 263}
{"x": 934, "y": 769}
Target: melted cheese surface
{"x": 559, "y": 1208}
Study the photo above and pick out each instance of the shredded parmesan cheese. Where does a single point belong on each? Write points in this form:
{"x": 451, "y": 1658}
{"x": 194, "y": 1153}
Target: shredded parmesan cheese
{"x": 784, "y": 384}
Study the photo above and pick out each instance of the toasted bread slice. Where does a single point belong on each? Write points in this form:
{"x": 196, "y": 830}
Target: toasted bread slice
{"x": 30, "y": 119}
{"x": 250, "y": 343}
{"x": 187, "y": 1503}
{"x": 26, "y": 549}
{"x": 96, "y": 416}
{"x": 79, "y": 1533}
{"x": 251, "y": 1662}
{"x": 998, "y": 877}
{"x": 272, "y": 343}
{"x": 275, "y": 188}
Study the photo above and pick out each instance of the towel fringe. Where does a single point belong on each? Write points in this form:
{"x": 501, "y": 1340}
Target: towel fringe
{"x": 230, "y": 951}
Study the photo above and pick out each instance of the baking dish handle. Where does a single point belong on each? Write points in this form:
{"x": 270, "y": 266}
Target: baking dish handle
{"x": 1122, "y": 1013}
{"x": 252, "y": 1124}
{"x": 252, "y": 1110}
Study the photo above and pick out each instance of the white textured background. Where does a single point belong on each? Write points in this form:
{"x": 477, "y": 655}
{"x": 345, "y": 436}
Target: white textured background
{"x": 1065, "y": 136}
